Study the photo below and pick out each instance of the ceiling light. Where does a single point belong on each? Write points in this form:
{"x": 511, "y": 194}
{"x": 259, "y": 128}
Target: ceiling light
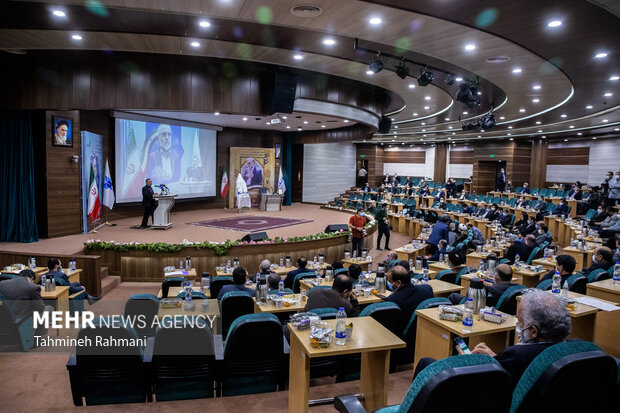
{"x": 204, "y": 23}
{"x": 59, "y": 13}
{"x": 539, "y": 131}
{"x": 288, "y": 127}
{"x": 375, "y": 21}
{"x": 522, "y": 110}
{"x": 415, "y": 113}
{"x": 396, "y": 127}
{"x": 427, "y": 98}
{"x": 411, "y": 86}
{"x": 536, "y": 87}
{"x": 322, "y": 126}
{"x": 509, "y": 134}
{"x": 76, "y": 37}
{"x": 402, "y": 143}
{"x": 454, "y": 133}
{"x": 608, "y": 94}
{"x": 544, "y": 137}
{"x": 423, "y": 123}
{"x": 516, "y": 70}
{"x": 403, "y": 71}
{"x": 479, "y": 136}
{"x": 305, "y": 122}
{"x": 536, "y": 100}
{"x": 370, "y": 72}
{"x": 565, "y": 140}
{"x": 329, "y": 41}
{"x": 571, "y": 127}
{"x": 589, "y": 107}
{"x": 427, "y": 107}
{"x": 502, "y": 117}
{"x": 392, "y": 119}
{"x": 267, "y": 123}
{"x": 563, "y": 115}
{"x": 299, "y": 128}
{"x": 459, "y": 79}
{"x": 617, "y": 129}
{"x": 538, "y": 122}
{"x": 217, "y": 113}
{"x": 377, "y": 64}
{"x": 470, "y": 46}
{"x": 283, "y": 117}
{"x": 393, "y": 140}
{"x": 446, "y": 119}
{"x": 512, "y": 139}
{"x": 298, "y": 57}
{"x": 594, "y": 138}
{"x": 554, "y": 23}
{"x": 244, "y": 119}
{"x": 465, "y": 113}
{"x": 449, "y": 127}
{"x": 423, "y": 130}
{"x": 614, "y": 78}
{"x": 426, "y": 77}
{"x": 605, "y": 120}
{"x": 600, "y": 55}
{"x": 509, "y": 127}
{"x": 194, "y": 44}
{"x": 346, "y": 121}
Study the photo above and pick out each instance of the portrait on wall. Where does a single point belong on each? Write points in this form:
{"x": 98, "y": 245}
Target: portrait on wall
{"x": 61, "y": 131}
{"x": 277, "y": 151}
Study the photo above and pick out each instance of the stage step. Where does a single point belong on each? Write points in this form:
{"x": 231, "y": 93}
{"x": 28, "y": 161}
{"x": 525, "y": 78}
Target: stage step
{"x": 104, "y": 272}
{"x": 109, "y": 283}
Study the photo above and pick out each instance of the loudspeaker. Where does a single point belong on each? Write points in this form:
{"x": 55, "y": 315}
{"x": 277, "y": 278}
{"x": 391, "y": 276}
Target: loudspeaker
{"x": 385, "y": 124}
{"x": 281, "y": 97}
{"x": 336, "y": 227}
{"x": 257, "y": 236}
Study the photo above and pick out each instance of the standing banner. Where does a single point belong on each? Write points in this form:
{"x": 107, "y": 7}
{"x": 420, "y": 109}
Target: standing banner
{"x": 257, "y": 168}
{"x": 92, "y": 160}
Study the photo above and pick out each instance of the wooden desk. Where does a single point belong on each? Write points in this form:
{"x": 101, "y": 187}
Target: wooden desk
{"x": 583, "y": 258}
{"x": 549, "y": 265}
{"x": 444, "y": 289}
{"x": 604, "y": 290}
{"x": 363, "y": 264}
{"x": 412, "y": 253}
{"x": 281, "y": 271}
{"x": 466, "y": 279}
{"x": 529, "y": 278}
{"x": 369, "y": 338}
{"x": 190, "y": 275}
{"x": 270, "y": 307}
{"x": 473, "y": 259}
{"x": 434, "y": 337}
{"x": 61, "y": 296}
{"x": 212, "y": 312}
{"x": 439, "y": 266}
{"x": 38, "y": 271}
{"x": 174, "y": 291}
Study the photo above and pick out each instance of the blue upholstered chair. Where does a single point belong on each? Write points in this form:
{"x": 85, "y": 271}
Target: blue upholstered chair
{"x": 196, "y": 295}
{"x": 171, "y": 282}
{"x": 301, "y": 276}
{"x": 577, "y": 283}
{"x": 409, "y": 332}
{"x": 145, "y": 305}
{"x": 448, "y": 276}
{"x": 507, "y": 303}
{"x": 234, "y": 304}
{"x": 14, "y": 331}
{"x": 598, "y": 275}
{"x": 217, "y": 283}
{"x": 325, "y": 313}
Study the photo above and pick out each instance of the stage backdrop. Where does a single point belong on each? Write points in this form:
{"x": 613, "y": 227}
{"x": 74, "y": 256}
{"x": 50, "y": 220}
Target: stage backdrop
{"x": 257, "y": 167}
{"x": 92, "y": 153}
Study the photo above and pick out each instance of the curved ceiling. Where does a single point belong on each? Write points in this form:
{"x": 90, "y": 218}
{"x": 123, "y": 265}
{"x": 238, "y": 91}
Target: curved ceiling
{"x": 577, "y": 93}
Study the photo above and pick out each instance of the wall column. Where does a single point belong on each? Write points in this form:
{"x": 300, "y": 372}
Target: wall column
{"x": 538, "y": 164}
{"x": 441, "y": 157}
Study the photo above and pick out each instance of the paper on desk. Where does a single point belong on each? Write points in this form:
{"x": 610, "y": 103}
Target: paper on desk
{"x": 177, "y": 272}
{"x": 593, "y": 302}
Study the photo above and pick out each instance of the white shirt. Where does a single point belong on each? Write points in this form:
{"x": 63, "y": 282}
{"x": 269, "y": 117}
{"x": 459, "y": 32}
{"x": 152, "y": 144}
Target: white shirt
{"x": 362, "y": 173}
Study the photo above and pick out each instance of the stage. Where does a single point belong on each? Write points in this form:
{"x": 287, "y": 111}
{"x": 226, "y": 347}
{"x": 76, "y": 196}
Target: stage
{"x": 309, "y": 219}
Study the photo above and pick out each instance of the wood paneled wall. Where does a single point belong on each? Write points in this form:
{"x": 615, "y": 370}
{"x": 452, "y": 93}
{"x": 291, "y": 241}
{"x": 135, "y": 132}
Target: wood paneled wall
{"x": 483, "y": 178}
{"x": 538, "y": 164}
{"x": 351, "y": 133}
{"x": 569, "y": 156}
{"x": 404, "y": 156}
{"x": 461, "y": 157}
{"x": 518, "y": 168}
{"x": 441, "y": 157}
{"x": 375, "y": 156}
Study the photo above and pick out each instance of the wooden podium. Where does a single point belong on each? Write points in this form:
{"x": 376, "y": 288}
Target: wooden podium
{"x": 161, "y": 216}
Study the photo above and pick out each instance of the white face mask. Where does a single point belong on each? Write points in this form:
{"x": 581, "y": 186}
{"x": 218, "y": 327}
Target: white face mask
{"x": 521, "y": 335}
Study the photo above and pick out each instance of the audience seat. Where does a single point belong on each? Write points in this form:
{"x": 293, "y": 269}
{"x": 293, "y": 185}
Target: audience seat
{"x": 448, "y": 276}
{"x": 589, "y": 214}
{"x": 598, "y": 275}
{"x": 171, "y": 282}
{"x": 234, "y": 304}
{"x": 301, "y": 276}
{"x": 507, "y": 303}
{"x": 545, "y": 285}
{"x": 217, "y": 283}
{"x": 18, "y": 332}
{"x": 146, "y": 305}
{"x": 196, "y": 295}
{"x": 577, "y": 283}
{"x": 409, "y": 332}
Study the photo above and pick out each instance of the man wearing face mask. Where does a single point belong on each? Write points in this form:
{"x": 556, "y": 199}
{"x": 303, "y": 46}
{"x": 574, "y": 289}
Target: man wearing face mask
{"x": 601, "y": 215}
{"x": 602, "y": 258}
{"x": 605, "y": 183}
{"x": 407, "y": 295}
{"x": 500, "y": 182}
{"x": 340, "y": 295}
{"x": 575, "y": 193}
{"x": 542, "y": 321}
{"x": 614, "y": 190}
{"x": 523, "y": 247}
{"x": 565, "y": 265}
{"x": 542, "y": 234}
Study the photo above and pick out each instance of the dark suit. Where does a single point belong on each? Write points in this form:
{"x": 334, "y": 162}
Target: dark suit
{"x": 290, "y": 277}
{"x": 23, "y": 296}
{"x": 520, "y": 248}
{"x": 501, "y": 182}
{"x": 490, "y": 215}
{"x": 440, "y": 231}
{"x": 494, "y": 292}
{"x": 156, "y": 165}
{"x": 550, "y": 274}
{"x": 409, "y": 297}
{"x": 62, "y": 279}
{"x": 595, "y": 266}
{"x": 574, "y": 195}
{"x": 525, "y": 190}
{"x": 330, "y": 298}
{"x": 481, "y": 212}
{"x": 560, "y": 209}
{"x": 148, "y": 203}
{"x": 505, "y": 220}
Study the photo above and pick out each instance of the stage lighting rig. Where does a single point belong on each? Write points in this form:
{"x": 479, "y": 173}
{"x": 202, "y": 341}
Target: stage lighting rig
{"x": 426, "y": 77}
{"x": 377, "y": 64}
{"x": 401, "y": 70}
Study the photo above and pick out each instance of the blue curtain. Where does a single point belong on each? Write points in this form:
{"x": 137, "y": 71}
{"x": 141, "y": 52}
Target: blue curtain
{"x": 287, "y": 154}
{"x": 18, "y": 220}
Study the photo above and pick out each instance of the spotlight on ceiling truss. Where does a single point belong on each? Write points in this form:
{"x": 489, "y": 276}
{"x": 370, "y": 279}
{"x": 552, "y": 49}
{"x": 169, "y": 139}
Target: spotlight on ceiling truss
{"x": 468, "y": 94}
{"x": 401, "y": 70}
{"x": 426, "y": 77}
{"x": 377, "y": 64}
{"x": 450, "y": 79}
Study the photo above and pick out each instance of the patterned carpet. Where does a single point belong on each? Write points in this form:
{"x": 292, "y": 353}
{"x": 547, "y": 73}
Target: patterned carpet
{"x": 249, "y": 223}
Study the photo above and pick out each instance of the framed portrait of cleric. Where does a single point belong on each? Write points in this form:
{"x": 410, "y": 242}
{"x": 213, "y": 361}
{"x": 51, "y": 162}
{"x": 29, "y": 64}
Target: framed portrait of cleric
{"x": 61, "y": 131}
{"x": 278, "y": 151}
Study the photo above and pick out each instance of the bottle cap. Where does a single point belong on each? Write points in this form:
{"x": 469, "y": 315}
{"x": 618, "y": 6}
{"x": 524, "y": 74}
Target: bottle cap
{"x": 469, "y": 299}
{"x": 341, "y": 309}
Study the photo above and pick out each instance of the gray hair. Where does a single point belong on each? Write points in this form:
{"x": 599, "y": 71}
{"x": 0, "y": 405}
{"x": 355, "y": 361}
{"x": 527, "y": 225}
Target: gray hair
{"x": 265, "y": 265}
{"x": 548, "y": 313}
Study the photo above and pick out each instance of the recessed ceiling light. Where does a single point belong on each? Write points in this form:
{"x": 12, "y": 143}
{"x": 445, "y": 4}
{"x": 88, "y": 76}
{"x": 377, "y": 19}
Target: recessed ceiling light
{"x": 589, "y": 107}
{"x": 423, "y": 123}
{"x": 571, "y": 127}
{"x": 204, "y": 23}
{"x": 509, "y": 127}
{"x": 393, "y": 119}
{"x": 59, "y": 13}
{"x": 393, "y": 140}
{"x": 512, "y": 139}
{"x": 427, "y": 107}
{"x": 217, "y": 113}
{"x": 502, "y": 117}
{"x": 346, "y": 121}
{"x": 470, "y": 46}
{"x": 516, "y": 70}
{"x": 267, "y": 123}
{"x": 369, "y": 72}
{"x": 544, "y": 137}
{"x": 322, "y": 126}
{"x": 617, "y": 129}
{"x": 299, "y": 128}
{"x": 244, "y": 119}
{"x": 415, "y": 113}
{"x": 449, "y": 127}
{"x": 446, "y": 119}
{"x": 521, "y": 110}
{"x": 424, "y": 136}
{"x": 594, "y": 138}
{"x": 600, "y": 55}
{"x": 76, "y": 37}
{"x": 509, "y": 134}
{"x": 605, "y": 120}
{"x": 329, "y": 41}
{"x": 427, "y": 98}
{"x": 305, "y": 122}
{"x": 288, "y": 127}
{"x": 402, "y": 143}
{"x": 364, "y": 140}
{"x": 608, "y": 94}
{"x": 535, "y": 100}
{"x": 563, "y": 115}
{"x": 283, "y": 117}
{"x": 565, "y": 140}
{"x": 449, "y": 138}
{"x": 554, "y": 23}
{"x": 536, "y": 87}
{"x": 465, "y": 113}
{"x": 479, "y": 136}
{"x": 479, "y": 93}
{"x": 423, "y": 130}
{"x": 298, "y": 57}
{"x": 396, "y": 127}
{"x": 539, "y": 131}
{"x": 194, "y": 44}
{"x": 538, "y": 122}
{"x": 375, "y": 21}
{"x": 459, "y": 79}
{"x": 614, "y": 78}
{"x": 454, "y": 133}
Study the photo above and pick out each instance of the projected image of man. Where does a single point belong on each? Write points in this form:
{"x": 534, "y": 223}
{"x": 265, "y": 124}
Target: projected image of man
{"x": 165, "y": 158}
{"x": 194, "y": 173}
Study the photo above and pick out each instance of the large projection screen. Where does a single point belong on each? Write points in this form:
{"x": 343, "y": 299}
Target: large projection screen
{"x": 180, "y": 156}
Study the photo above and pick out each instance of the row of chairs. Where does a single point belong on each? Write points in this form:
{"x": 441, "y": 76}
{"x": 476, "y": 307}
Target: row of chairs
{"x": 578, "y": 282}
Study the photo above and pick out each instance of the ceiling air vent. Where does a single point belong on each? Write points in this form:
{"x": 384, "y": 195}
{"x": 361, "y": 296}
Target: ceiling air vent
{"x": 306, "y": 10}
{"x": 498, "y": 59}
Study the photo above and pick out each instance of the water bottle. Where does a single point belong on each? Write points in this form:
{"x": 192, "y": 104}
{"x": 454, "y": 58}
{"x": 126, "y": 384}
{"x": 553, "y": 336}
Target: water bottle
{"x": 33, "y": 263}
{"x": 288, "y": 261}
{"x": 565, "y": 289}
{"x": 263, "y": 291}
{"x": 425, "y": 276}
{"x": 72, "y": 264}
{"x": 315, "y": 260}
{"x": 441, "y": 257}
{"x": 181, "y": 264}
{"x": 281, "y": 262}
{"x": 43, "y": 283}
{"x": 410, "y": 263}
{"x": 205, "y": 283}
{"x": 481, "y": 266}
{"x": 572, "y": 242}
{"x": 517, "y": 259}
{"x": 360, "y": 281}
{"x": 341, "y": 327}
{"x": 354, "y": 253}
{"x": 555, "y": 286}
{"x": 281, "y": 289}
{"x": 188, "y": 263}
{"x": 617, "y": 273}
{"x": 187, "y": 304}
{"x": 468, "y": 316}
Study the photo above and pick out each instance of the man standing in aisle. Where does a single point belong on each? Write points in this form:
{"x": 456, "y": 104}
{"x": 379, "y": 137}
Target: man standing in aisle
{"x": 148, "y": 203}
{"x": 614, "y": 190}
{"x": 361, "y": 176}
{"x": 501, "y": 180}
{"x": 356, "y": 224}
{"x": 384, "y": 228}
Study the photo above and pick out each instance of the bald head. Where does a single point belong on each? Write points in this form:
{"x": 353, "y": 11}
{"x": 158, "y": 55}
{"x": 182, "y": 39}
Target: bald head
{"x": 603, "y": 254}
{"x": 530, "y": 240}
{"x": 504, "y": 272}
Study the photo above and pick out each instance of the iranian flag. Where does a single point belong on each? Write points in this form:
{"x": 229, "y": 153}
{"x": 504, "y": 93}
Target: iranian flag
{"x": 225, "y": 185}
{"x": 94, "y": 204}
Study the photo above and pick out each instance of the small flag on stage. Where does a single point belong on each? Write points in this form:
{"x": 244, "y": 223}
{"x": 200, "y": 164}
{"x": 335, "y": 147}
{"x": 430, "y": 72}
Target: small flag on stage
{"x": 225, "y": 185}
{"x": 108, "y": 189}
{"x": 94, "y": 204}
{"x": 281, "y": 183}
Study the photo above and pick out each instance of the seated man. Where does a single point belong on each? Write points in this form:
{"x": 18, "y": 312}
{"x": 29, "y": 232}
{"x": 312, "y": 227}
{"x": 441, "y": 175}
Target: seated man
{"x": 301, "y": 267}
{"x": 273, "y": 281}
{"x": 55, "y": 270}
{"x": 337, "y": 265}
{"x": 340, "y": 295}
{"x": 560, "y": 209}
{"x": 443, "y": 244}
{"x": 522, "y": 203}
{"x": 477, "y": 237}
{"x": 23, "y": 295}
{"x": 407, "y": 295}
{"x": 354, "y": 272}
{"x": 467, "y": 209}
{"x": 542, "y": 321}
{"x": 491, "y": 214}
{"x": 509, "y": 187}
{"x": 522, "y": 247}
{"x": 591, "y": 201}
{"x": 611, "y": 219}
{"x": 481, "y": 211}
{"x": 503, "y": 278}
{"x": 264, "y": 270}
{"x": 565, "y": 265}
{"x": 505, "y": 219}
{"x": 611, "y": 231}
{"x": 240, "y": 276}
{"x": 602, "y": 258}
{"x": 543, "y": 234}
{"x": 463, "y": 196}
{"x": 525, "y": 189}
{"x": 574, "y": 193}
{"x": 452, "y": 234}
{"x": 600, "y": 215}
